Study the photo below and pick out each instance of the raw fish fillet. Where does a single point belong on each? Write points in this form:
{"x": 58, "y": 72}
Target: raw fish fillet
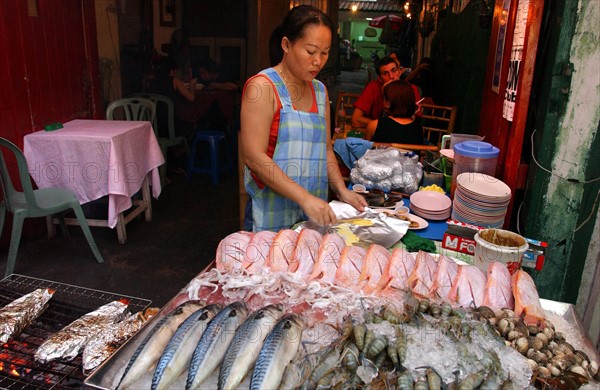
{"x": 257, "y": 251}
{"x": 328, "y": 258}
{"x": 398, "y": 270}
{"x": 468, "y": 287}
{"x": 443, "y": 278}
{"x": 350, "y": 266}
{"x": 281, "y": 251}
{"x": 498, "y": 290}
{"x": 376, "y": 261}
{"x": 527, "y": 299}
{"x": 421, "y": 278}
{"x": 232, "y": 251}
{"x": 305, "y": 254}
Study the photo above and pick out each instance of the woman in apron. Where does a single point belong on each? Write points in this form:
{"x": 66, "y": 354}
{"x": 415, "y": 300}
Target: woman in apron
{"x": 285, "y": 138}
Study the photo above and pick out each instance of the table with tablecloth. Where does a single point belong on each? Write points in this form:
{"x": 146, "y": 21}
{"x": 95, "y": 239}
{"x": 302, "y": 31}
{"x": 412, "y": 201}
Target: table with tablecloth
{"x": 97, "y": 158}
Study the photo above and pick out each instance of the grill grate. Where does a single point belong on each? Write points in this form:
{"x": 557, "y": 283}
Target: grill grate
{"x": 18, "y": 370}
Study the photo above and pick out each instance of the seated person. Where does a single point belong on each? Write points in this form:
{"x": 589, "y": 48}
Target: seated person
{"x": 182, "y": 94}
{"x": 369, "y": 105}
{"x": 400, "y": 126}
{"x": 212, "y": 76}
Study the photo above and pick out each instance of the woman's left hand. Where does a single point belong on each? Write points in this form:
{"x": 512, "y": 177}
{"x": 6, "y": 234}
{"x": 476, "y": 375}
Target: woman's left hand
{"x": 353, "y": 199}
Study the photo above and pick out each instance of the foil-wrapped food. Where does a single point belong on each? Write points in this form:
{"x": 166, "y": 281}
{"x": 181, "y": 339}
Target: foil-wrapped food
{"x": 21, "y": 312}
{"x": 68, "y": 342}
{"x": 99, "y": 348}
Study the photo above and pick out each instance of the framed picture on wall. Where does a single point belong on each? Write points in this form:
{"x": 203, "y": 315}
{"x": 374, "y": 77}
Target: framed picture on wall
{"x": 167, "y": 13}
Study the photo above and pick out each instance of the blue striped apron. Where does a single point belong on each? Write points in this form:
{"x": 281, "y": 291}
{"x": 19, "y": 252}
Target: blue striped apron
{"x": 301, "y": 153}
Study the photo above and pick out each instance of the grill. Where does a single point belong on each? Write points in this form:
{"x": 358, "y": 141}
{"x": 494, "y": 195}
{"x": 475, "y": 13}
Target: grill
{"x": 18, "y": 369}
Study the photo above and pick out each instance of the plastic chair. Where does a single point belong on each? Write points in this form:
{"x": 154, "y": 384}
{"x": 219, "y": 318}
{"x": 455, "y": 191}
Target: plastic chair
{"x": 213, "y": 138}
{"x": 132, "y": 109}
{"x": 34, "y": 203}
{"x": 165, "y": 142}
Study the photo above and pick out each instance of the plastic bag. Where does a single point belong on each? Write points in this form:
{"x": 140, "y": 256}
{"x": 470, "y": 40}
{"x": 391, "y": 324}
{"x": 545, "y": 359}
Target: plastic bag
{"x": 388, "y": 169}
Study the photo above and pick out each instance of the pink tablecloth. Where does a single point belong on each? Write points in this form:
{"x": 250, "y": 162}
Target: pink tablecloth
{"x": 95, "y": 158}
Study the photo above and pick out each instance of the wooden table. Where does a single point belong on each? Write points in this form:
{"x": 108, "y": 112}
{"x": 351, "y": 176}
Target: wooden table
{"x": 97, "y": 158}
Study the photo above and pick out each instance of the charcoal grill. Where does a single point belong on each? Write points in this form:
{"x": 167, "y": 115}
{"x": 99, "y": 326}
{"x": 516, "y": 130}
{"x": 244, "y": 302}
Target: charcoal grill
{"x": 18, "y": 369}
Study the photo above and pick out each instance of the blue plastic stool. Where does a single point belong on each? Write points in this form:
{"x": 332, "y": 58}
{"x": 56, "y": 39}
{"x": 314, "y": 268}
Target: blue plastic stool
{"x": 213, "y": 138}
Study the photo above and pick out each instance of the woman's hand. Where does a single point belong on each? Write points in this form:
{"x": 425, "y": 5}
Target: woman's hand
{"x": 317, "y": 210}
{"x": 353, "y": 199}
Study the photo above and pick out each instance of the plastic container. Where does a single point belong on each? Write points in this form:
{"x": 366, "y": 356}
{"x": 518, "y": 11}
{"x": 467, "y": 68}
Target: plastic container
{"x": 474, "y": 156}
{"x": 499, "y": 245}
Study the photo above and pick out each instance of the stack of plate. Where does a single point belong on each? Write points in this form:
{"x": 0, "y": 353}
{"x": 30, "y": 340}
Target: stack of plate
{"x": 431, "y": 205}
{"x": 480, "y": 199}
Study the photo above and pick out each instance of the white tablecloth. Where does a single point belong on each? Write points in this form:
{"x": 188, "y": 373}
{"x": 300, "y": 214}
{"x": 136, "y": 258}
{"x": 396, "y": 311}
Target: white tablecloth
{"x": 95, "y": 158}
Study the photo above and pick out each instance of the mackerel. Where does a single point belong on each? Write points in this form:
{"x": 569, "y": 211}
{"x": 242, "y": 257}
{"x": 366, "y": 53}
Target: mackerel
{"x": 246, "y": 344}
{"x": 279, "y": 349}
{"x": 149, "y": 350}
{"x": 177, "y": 355}
{"x": 214, "y": 342}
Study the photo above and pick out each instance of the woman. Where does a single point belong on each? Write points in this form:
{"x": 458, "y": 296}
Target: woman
{"x": 284, "y": 135}
{"x": 400, "y": 125}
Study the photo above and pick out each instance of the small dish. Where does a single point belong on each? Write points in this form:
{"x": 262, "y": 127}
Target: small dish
{"x": 400, "y": 209}
{"x": 421, "y": 223}
{"x": 359, "y": 188}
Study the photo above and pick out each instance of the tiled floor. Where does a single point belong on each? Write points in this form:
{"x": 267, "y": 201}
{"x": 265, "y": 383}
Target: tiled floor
{"x": 161, "y": 256}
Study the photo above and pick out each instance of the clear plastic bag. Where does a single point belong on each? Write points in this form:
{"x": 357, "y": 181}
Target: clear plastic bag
{"x": 388, "y": 169}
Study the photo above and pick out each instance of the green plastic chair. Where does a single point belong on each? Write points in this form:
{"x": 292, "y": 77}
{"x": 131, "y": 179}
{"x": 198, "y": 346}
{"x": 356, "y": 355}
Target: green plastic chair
{"x": 33, "y": 203}
{"x": 133, "y": 109}
{"x": 164, "y": 142}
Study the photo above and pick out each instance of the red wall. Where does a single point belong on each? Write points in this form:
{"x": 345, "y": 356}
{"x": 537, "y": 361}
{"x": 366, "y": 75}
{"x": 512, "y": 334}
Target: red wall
{"x": 48, "y": 65}
{"x": 48, "y": 72}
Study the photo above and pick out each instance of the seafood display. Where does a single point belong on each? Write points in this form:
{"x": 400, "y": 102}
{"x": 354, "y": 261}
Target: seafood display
{"x": 69, "y": 342}
{"x": 21, "y": 312}
{"x": 304, "y": 310}
{"x": 153, "y": 345}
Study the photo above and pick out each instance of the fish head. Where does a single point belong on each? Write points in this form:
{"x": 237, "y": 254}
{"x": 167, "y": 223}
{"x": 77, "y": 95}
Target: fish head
{"x": 238, "y": 309}
{"x": 273, "y": 311}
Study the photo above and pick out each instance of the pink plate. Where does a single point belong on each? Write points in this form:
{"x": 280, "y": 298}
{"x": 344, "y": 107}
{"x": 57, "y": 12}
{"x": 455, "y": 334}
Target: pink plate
{"x": 484, "y": 185}
{"x": 430, "y": 201}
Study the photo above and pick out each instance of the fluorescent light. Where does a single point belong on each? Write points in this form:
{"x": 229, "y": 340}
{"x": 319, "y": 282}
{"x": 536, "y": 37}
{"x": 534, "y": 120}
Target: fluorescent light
{"x": 369, "y": 18}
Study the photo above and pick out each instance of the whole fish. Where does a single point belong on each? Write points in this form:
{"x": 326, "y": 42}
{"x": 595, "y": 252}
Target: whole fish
{"x": 177, "y": 355}
{"x": 150, "y": 349}
{"x": 246, "y": 345}
{"x": 214, "y": 342}
{"x": 21, "y": 312}
{"x": 278, "y": 350}
{"x": 68, "y": 342}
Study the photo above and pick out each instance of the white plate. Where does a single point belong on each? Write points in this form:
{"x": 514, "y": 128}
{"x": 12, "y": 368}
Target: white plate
{"x": 422, "y": 223}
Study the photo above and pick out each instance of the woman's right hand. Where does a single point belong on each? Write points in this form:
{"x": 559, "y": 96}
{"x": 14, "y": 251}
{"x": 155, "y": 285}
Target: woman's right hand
{"x": 317, "y": 210}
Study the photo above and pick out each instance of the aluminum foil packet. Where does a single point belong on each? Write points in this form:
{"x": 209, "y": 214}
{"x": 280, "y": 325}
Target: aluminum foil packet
{"x": 68, "y": 342}
{"x": 363, "y": 228}
{"x": 21, "y": 312}
{"x": 98, "y": 349}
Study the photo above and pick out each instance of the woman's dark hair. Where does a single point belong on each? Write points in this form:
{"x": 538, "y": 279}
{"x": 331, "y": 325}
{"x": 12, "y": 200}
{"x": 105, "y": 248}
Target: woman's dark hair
{"x": 275, "y": 50}
{"x": 401, "y": 97}
{"x": 299, "y": 18}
